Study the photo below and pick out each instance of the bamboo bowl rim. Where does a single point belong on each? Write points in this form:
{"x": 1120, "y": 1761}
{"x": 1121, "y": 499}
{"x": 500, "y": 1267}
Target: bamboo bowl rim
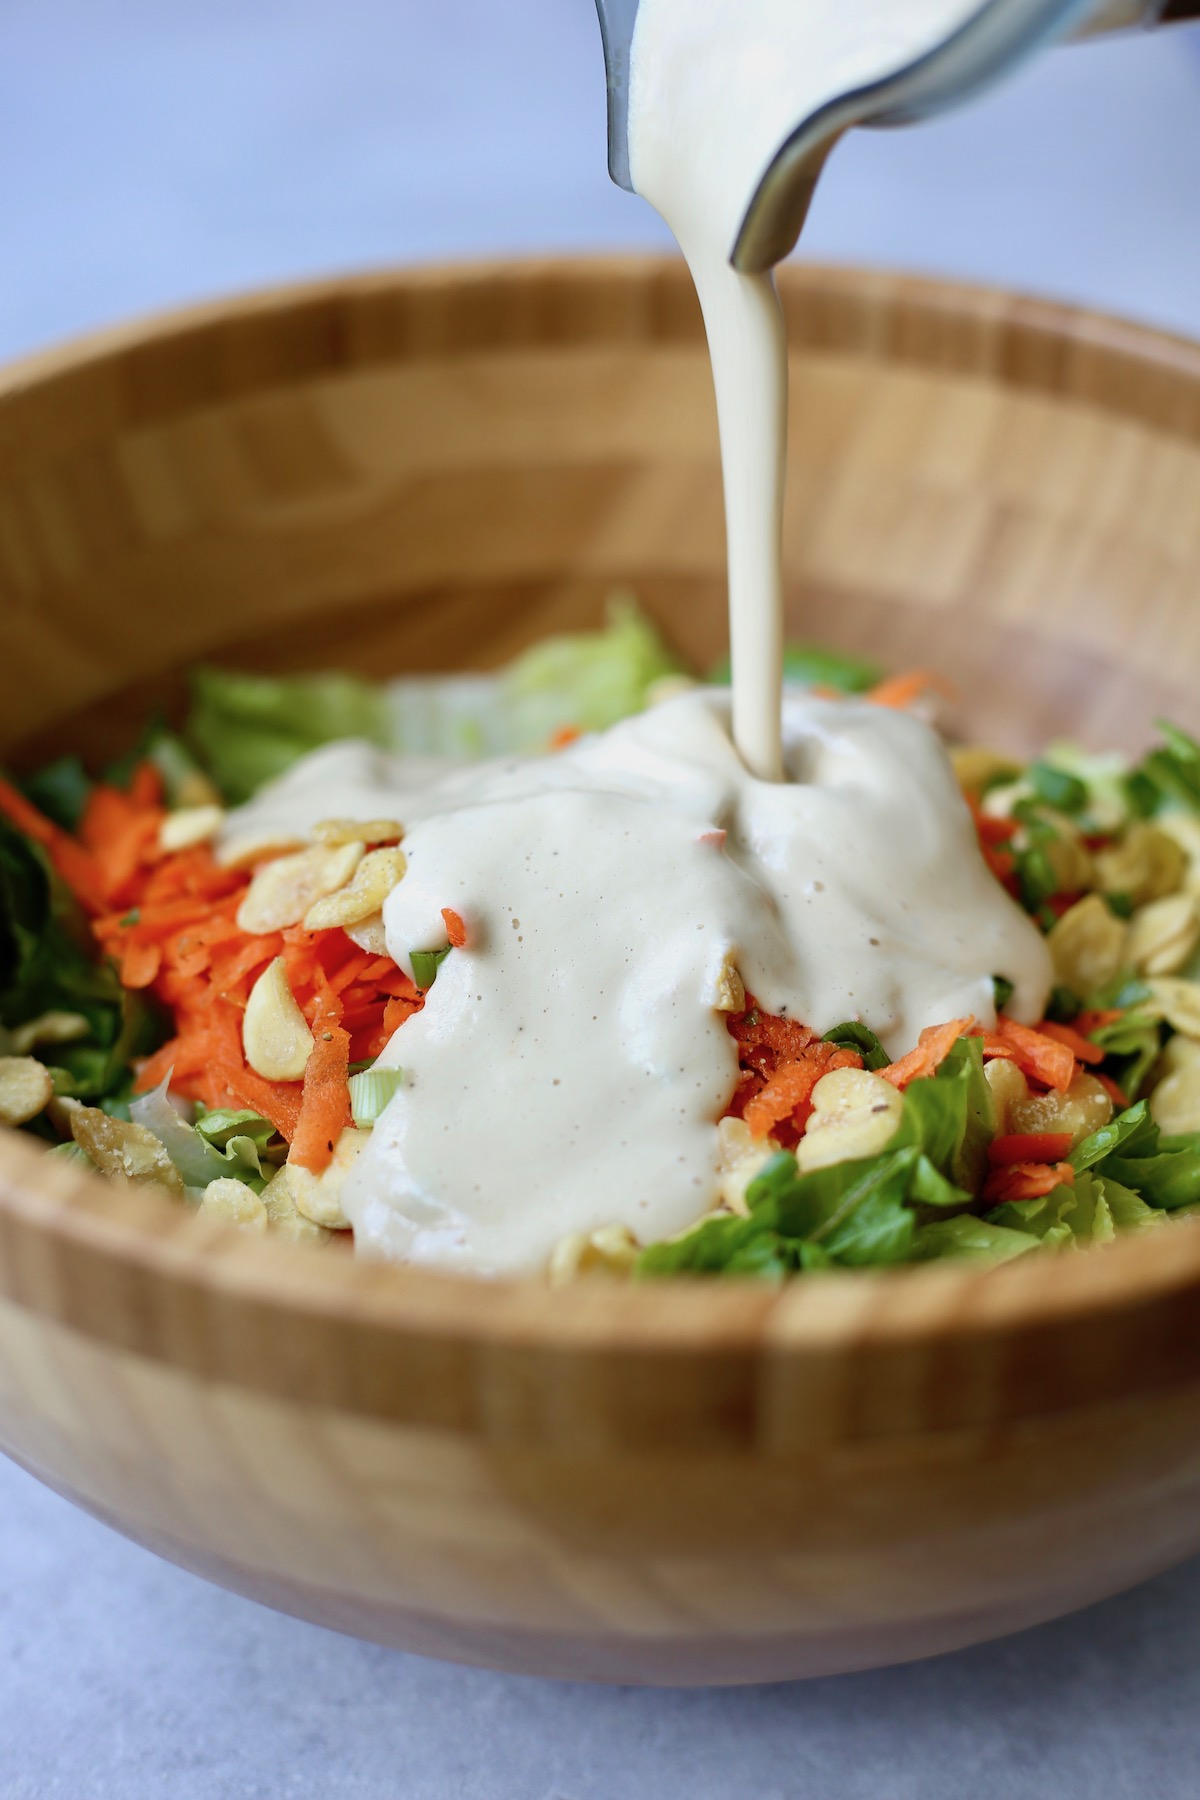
{"x": 140, "y": 1272}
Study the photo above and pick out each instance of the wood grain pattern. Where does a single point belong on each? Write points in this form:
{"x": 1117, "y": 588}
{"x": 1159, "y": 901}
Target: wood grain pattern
{"x": 681, "y": 1484}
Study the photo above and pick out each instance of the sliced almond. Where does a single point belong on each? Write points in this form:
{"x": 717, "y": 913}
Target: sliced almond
{"x": 118, "y": 1147}
{"x": 195, "y": 789}
{"x": 612, "y": 1250}
{"x": 25, "y": 1088}
{"x": 1163, "y": 935}
{"x": 318, "y": 1198}
{"x": 190, "y": 825}
{"x": 47, "y": 1028}
{"x": 1178, "y": 1001}
{"x": 248, "y": 853}
{"x": 275, "y": 1034}
{"x": 369, "y": 934}
{"x": 356, "y": 831}
{"x": 234, "y": 1203}
{"x": 374, "y": 878}
{"x": 283, "y": 890}
{"x": 283, "y": 1215}
{"x": 729, "y": 993}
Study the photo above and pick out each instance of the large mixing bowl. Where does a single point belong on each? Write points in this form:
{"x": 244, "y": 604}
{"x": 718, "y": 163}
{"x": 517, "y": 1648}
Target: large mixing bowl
{"x": 680, "y": 1483}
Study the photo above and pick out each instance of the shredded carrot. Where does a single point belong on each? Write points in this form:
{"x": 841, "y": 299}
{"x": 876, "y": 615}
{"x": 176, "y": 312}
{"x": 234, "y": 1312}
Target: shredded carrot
{"x": 1080, "y": 1046}
{"x": 787, "y": 1093}
{"x": 140, "y": 964}
{"x": 1029, "y": 1147}
{"x": 325, "y": 1102}
{"x": 278, "y": 1101}
{"x": 1026, "y": 1181}
{"x": 933, "y": 1047}
{"x": 1037, "y": 1055}
{"x": 456, "y": 931}
{"x": 70, "y": 859}
{"x": 900, "y": 691}
{"x": 562, "y": 736}
{"x": 1089, "y": 1022}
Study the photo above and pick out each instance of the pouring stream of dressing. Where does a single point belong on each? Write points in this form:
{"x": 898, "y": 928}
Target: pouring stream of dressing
{"x": 714, "y": 90}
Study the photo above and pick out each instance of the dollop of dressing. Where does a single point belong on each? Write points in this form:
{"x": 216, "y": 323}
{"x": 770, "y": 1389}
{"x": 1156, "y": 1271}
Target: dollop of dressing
{"x": 569, "y": 1064}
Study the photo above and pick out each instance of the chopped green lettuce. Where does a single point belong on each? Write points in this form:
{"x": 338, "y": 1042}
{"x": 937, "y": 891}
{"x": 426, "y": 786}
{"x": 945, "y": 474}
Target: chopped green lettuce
{"x": 811, "y": 665}
{"x": 966, "y": 1235}
{"x": 855, "y": 1036}
{"x": 247, "y": 729}
{"x": 60, "y": 790}
{"x": 195, "y": 1149}
{"x": 589, "y": 679}
{"x": 45, "y": 967}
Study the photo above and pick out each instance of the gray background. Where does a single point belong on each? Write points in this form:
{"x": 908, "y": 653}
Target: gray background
{"x": 153, "y": 151}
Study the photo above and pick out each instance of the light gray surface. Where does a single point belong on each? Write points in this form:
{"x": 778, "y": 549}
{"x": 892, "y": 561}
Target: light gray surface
{"x": 125, "y": 1680}
{"x": 155, "y": 150}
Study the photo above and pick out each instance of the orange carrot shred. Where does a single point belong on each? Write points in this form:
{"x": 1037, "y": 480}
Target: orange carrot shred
{"x": 1038, "y": 1055}
{"x": 1080, "y": 1047}
{"x": 70, "y": 859}
{"x": 456, "y": 931}
{"x": 140, "y": 964}
{"x": 900, "y": 691}
{"x": 933, "y": 1047}
{"x": 325, "y": 1103}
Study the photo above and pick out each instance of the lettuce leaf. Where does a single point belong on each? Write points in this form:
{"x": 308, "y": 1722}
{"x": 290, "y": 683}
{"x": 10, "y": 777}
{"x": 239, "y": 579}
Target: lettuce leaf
{"x": 950, "y": 1116}
{"x": 194, "y": 1149}
{"x": 812, "y": 665}
{"x": 855, "y": 1036}
{"x": 965, "y": 1235}
{"x": 47, "y": 965}
{"x": 589, "y": 679}
{"x": 246, "y": 729}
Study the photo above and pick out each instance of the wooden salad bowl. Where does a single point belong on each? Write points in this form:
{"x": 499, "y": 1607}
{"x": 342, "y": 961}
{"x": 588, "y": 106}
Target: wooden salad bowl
{"x": 664, "y": 1483}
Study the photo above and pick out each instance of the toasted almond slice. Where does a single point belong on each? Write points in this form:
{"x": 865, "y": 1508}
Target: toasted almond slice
{"x": 283, "y": 890}
{"x": 283, "y": 1215}
{"x": 375, "y": 877}
{"x": 612, "y": 1250}
{"x": 275, "y": 1034}
{"x": 248, "y": 853}
{"x": 729, "y": 993}
{"x": 358, "y": 831}
{"x": 25, "y": 1088}
{"x": 195, "y": 789}
{"x": 1163, "y": 934}
{"x": 369, "y": 934}
{"x": 190, "y": 825}
{"x": 1179, "y": 1002}
{"x": 234, "y": 1203}
{"x": 47, "y": 1028}
{"x": 118, "y": 1147}
{"x": 318, "y": 1198}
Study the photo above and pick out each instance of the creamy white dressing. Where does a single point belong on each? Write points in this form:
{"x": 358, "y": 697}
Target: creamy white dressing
{"x": 570, "y": 1064}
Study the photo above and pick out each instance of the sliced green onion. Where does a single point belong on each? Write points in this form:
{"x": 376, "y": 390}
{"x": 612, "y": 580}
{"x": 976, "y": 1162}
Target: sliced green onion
{"x": 370, "y": 1092}
{"x": 425, "y": 965}
{"x": 855, "y": 1036}
{"x": 1058, "y": 787}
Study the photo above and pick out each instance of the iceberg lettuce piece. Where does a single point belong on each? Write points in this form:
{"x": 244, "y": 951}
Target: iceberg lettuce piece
{"x": 587, "y": 679}
{"x": 249, "y": 728}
